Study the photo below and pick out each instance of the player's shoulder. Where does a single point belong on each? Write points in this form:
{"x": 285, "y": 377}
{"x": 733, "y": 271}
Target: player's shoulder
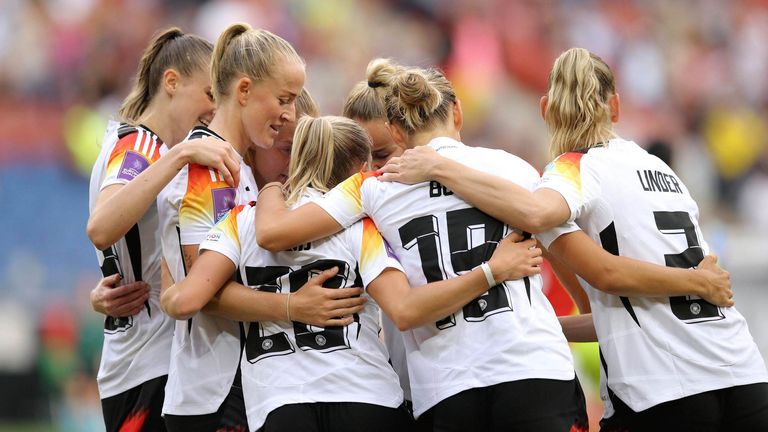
{"x": 241, "y": 210}
{"x": 200, "y": 131}
{"x": 138, "y": 139}
{"x": 501, "y": 163}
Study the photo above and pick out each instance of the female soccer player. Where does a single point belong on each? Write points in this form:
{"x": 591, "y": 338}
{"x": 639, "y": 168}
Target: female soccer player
{"x": 669, "y": 362}
{"x": 469, "y": 367}
{"x": 299, "y": 377}
{"x": 171, "y": 93}
{"x": 365, "y": 104}
{"x": 256, "y": 79}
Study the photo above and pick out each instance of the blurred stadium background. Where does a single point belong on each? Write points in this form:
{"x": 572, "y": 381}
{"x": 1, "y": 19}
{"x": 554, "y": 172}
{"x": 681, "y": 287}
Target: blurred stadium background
{"x": 692, "y": 76}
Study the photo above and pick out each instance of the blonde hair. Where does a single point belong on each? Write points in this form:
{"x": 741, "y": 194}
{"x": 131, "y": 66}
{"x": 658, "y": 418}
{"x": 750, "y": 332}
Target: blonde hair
{"x": 169, "y": 49}
{"x": 325, "y": 149}
{"x": 241, "y": 50}
{"x": 306, "y": 105}
{"x": 577, "y": 113}
{"x": 365, "y": 101}
{"x": 419, "y": 99}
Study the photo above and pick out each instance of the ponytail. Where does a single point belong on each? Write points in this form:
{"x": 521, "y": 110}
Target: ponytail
{"x": 224, "y": 40}
{"x": 419, "y": 99}
{"x": 169, "y": 49}
{"x": 241, "y": 50}
{"x": 365, "y": 101}
{"x": 577, "y": 113}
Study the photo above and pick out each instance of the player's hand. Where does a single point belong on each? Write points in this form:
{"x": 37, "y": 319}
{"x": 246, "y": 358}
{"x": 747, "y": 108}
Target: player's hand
{"x": 119, "y": 301}
{"x": 717, "y": 288}
{"x": 413, "y": 166}
{"x": 325, "y": 307}
{"x": 216, "y": 154}
{"x": 515, "y": 258}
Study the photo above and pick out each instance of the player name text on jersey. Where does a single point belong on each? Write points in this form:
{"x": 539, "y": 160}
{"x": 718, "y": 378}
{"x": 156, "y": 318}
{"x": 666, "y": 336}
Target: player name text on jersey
{"x": 657, "y": 181}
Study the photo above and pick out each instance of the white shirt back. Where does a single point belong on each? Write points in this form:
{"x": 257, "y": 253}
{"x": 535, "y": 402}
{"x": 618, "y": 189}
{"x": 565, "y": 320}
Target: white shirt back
{"x": 653, "y": 349}
{"x": 206, "y": 348}
{"x": 290, "y": 362}
{"x": 136, "y": 348}
{"x": 508, "y": 334}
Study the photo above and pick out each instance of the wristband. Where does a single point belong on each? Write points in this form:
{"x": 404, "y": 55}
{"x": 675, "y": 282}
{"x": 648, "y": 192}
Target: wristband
{"x": 488, "y": 274}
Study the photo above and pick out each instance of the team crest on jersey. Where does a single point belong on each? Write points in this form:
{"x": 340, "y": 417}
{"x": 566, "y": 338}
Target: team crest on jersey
{"x": 223, "y": 202}
{"x": 133, "y": 164}
{"x": 114, "y": 325}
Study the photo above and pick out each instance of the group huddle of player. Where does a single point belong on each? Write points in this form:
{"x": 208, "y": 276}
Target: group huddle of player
{"x": 267, "y": 268}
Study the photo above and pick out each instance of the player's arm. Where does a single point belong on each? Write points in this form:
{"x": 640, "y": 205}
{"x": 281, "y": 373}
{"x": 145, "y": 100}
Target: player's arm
{"x": 119, "y": 206}
{"x": 504, "y": 200}
{"x": 412, "y": 307}
{"x": 628, "y": 277}
{"x": 279, "y": 228}
{"x": 311, "y": 304}
{"x": 188, "y": 296}
{"x": 569, "y": 281}
{"x": 578, "y": 328}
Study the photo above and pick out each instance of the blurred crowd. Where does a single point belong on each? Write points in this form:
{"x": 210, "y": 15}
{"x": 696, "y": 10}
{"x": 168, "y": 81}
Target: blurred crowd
{"x": 691, "y": 75}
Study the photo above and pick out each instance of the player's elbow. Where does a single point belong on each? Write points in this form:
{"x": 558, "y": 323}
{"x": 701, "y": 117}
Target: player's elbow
{"x": 98, "y": 236}
{"x": 405, "y": 318}
{"x": 540, "y": 218}
{"x": 535, "y": 224}
{"x": 609, "y": 280}
{"x": 178, "y": 306}
{"x": 271, "y": 240}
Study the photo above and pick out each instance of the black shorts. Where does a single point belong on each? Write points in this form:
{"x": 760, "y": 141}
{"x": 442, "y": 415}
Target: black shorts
{"x": 733, "y": 409}
{"x": 531, "y": 405}
{"x": 137, "y": 409}
{"x": 230, "y": 416}
{"x": 337, "y": 417}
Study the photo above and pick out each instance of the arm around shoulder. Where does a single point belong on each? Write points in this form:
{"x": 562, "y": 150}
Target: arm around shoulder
{"x": 279, "y": 228}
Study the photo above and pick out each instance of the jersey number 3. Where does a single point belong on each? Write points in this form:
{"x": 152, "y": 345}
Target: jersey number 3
{"x": 684, "y": 308}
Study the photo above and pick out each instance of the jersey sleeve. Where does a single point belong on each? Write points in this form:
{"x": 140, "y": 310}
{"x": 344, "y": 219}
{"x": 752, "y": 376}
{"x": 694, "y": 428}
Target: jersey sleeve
{"x": 132, "y": 154}
{"x": 206, "y": 201}
{"x": 224, "y": 237}
{"x": 549, "y": 236}
{"x": 569, "y": 175}
{"x": 345, "y": 202}
{"x": 374, "y": 254}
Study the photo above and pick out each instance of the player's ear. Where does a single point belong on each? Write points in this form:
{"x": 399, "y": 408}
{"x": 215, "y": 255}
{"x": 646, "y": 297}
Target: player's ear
{"x": 615, "y": 105}
{"x": 398, "y": 135}
{"x": 170, "y": 81}
{"x": 458, "y": 115}
{"x": 543, "y": 105}
{"x": 243, "y": 89}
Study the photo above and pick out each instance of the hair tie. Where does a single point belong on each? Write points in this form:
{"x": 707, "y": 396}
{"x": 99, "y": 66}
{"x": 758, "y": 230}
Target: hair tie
{"x": 373, "y": 84}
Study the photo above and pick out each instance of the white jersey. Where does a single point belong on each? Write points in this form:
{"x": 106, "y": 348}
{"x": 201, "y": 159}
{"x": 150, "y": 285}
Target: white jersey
{"x": 290, "y": 362}
{"x": 393, "y": 340}
{"x": 206, "y": 348}
{"x": 653, "y": 349}
{"x": 507, "y": 334}
{"x": 136, "y": 348}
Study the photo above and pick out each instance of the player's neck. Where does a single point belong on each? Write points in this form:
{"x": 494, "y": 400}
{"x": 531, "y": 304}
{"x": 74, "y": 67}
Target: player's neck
{"x": 153, "y": 121}
{"x": 423, "y": 138}
{"x": 226, "y": 123}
